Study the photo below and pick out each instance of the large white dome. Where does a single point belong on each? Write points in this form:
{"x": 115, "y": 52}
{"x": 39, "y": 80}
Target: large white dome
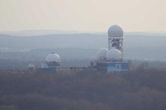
{"x": 114, "y": 54}
{"x": 53, "y": 57}
{"x": 115, "y": 31}
{"x": 101, "y": 54}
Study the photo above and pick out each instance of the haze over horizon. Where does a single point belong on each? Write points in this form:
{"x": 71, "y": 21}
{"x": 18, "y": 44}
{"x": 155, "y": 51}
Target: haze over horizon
{"x": 83, "y": 15}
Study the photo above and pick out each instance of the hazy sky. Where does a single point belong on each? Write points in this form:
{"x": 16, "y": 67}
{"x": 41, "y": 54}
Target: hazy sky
{"x": 83, "y": 15}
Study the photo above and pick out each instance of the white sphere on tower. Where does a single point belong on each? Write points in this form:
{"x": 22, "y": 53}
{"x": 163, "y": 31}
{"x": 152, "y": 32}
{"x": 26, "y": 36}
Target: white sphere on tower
{"x": 114, "y": 55}
{"x": 53, "y": 57}
{"x": 101, "y": 54}
{"x": 115, "y": 31}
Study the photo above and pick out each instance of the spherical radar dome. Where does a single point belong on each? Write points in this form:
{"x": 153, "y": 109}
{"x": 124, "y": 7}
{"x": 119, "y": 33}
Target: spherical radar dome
{"x": 101, "y": 54}
{"x": 115, "y": 31}
{"x": 114, "y": 54}
{"x": 53, "y": 58}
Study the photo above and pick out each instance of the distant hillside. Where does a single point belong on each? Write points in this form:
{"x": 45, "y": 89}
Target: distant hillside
{"x": 136, "y": 45}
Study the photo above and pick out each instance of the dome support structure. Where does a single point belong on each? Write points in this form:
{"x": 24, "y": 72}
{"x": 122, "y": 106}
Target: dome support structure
{"x": 115, "y": 38}
{"x": 111, "y": 60}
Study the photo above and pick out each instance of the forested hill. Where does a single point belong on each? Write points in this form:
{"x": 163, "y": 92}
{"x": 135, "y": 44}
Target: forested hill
{"x": 83, "y": 90}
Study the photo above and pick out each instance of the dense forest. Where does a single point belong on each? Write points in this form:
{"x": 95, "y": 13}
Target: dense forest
{"x": 83, "y": 90}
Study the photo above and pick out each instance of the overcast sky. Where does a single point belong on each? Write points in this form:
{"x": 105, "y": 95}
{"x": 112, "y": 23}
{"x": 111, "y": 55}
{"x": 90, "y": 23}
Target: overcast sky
{"x": 83, "y": 15}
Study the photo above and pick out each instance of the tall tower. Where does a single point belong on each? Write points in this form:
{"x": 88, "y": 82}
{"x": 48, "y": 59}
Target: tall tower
{"x": 115, "y": 38}
{"x": 111, "y": 59}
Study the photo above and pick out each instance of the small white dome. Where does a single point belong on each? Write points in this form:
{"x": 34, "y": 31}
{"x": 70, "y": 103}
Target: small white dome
{"x": 115, "y": 31}
{"x": 31, "y": 66}
{"x": 114, "y": 54}
{"x": 53, "y": 57}
{"x": 101, "y": 54}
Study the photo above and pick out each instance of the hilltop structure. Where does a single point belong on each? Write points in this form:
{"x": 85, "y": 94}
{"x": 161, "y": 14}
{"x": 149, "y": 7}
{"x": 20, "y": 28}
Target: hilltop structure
{"x": 111, "y": 59}
{"x": 52, "y": 61}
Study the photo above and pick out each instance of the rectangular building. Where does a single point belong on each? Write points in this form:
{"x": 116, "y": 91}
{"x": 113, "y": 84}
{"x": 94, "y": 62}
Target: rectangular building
{"x": 118, "y": 67}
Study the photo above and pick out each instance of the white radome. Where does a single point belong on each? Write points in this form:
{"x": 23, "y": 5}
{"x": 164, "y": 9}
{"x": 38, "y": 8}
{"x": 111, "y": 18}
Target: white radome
{"x": 114, "y": 54}
{"x": 53, "y": 57}
{"x": 101, "y": 54}
{"x": 115, "y": 31}
{"x": 31, "y": 66}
